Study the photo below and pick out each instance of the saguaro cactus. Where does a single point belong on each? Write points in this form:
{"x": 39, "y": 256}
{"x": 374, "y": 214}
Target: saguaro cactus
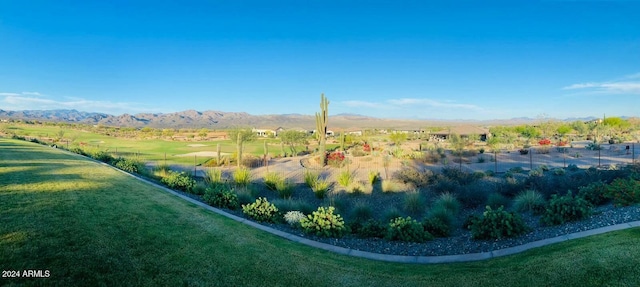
{"x": 322, "y": 118}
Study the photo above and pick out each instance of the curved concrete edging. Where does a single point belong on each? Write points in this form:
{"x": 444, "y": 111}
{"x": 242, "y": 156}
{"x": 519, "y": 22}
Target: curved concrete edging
{"x": 387, "y": 257}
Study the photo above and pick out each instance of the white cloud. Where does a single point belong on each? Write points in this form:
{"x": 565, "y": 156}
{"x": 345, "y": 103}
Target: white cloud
{"x": 38, "y": 101}
{"x": 431, "y": 103}
{"x": 626, "y": 86}
{"x": 364, "y": 104}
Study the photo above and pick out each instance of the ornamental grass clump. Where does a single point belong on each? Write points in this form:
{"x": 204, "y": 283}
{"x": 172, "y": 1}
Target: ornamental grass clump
{"x": 496, "y": 224}
{"x": 261, "y": 210}
{"x": 407, "y": 229}
{"x": 323, "y": 222}
{"x": 242, "y": 176}
{"x": 311, "y": 178}
{"x": 272, "y": 179}
{"x": 529, "y": 200}
{"x": 320, "y": 188}
{"x": 345, "y": 178}
{"x": 213, "y": 176}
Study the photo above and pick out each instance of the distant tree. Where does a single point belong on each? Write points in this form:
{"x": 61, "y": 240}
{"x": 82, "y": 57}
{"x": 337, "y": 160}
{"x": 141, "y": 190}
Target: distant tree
{"x": 563, "y": 129}
{"x": 293, "y": 138}
{"x": 580, "y": 127}
{"x": 202, "y": 133}
{"x": 398, "y": 138}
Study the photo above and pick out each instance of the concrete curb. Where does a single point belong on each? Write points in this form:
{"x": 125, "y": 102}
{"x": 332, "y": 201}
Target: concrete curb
{"x": 387, "y": 257}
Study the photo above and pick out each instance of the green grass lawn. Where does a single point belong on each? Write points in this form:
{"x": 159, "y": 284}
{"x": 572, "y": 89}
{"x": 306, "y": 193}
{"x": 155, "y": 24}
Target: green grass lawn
{"x": 90, "y": 225}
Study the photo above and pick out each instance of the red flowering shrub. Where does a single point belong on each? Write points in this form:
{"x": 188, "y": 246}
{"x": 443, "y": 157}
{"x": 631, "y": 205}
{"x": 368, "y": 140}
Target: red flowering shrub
{"x": 545, "y": 142}
{"x": 335, "y": 159}
{"x": 366, "y": 148}
{"x": 561, "y": 143}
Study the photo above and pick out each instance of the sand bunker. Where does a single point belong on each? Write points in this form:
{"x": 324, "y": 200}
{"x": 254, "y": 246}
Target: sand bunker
{"x": 202, "y": 154}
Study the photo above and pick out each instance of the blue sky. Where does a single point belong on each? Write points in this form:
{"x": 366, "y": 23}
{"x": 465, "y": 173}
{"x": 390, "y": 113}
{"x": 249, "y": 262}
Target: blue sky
{"x": 395, "y": 59}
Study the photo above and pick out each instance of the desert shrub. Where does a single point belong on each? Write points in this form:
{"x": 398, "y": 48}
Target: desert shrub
{"x": 242, "y": 176}
{"x": 128, "y": 164}
{"x": 293, "y": 218}
{"x": 78, "y": 150}
{"x": 284, "y": 188}
{"x": 573, "y": 167}
{"x": 559, "y": 171}
{"x": 336, "y": 159}
{"x": 510, "y": 186}
{"x": 413, "y": 176}
{"x": 497, "y": 224}
{"x": 245, "y": 196}
{"x": 310, "y": 178}
{"x": 320, "y": 188}
{"x": 199, "y": 189}
{"x": 407, "y": 229}
{"x": 323, "y": 222}
{"x": 624, "y": 191}
{"x": 496, "y": 200}
{"x": 289, "y": 204}
{"x": 213, "y": 176}
{"x": 414, "y": 203}
{"x": 179, "y": 180}
{"x": 357, "y": 187}
{"x": 475, "y": 194}
{"x": 565, "y": 208}
{"x": 220, "y": 196}
{"x": 442, "y": 184}
{"x": 529, "y": 200}
{"x": 536, "y": 172}
{"x": 374, "y": 176}
{"x": 369, "y": 229}
{"x": 458, "y": 175}
{"x": 261, "y": 210}
{"x": 436, "y": 227}
{"x": 390, "y": 186}
{"x": 593, "y": 146}
{"x": 345, "y": 178}
{"x": 102, "y": 156}
{"x": 594, "y": 193}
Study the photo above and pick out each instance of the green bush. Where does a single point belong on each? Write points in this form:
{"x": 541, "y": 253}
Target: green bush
{"x": 323, "y": 222}
{"x": 497, "y": 224}
{"x": 447, "y": 201}
{"x": 369, "y": 229}
{"x": 179, "y": 180}
{"x": 220, "y": 196}
{"x": 242, "y": 176}
{"x": 496, "y": 200}
{"x": 594, "y": 193}
{"x": 566, "y": 208}
{"x": 102, "y": 156}
{"x": 261, "y": 210}
{"x": 458, "y": 175}
{"x": 529, "y": 200}
{"x": 128, "y": 165}
{"x": 407, "y": 229}
{"x": 624, "y": 192}
{"x": 436, "y": 227}
{"x": 361, "y": 212}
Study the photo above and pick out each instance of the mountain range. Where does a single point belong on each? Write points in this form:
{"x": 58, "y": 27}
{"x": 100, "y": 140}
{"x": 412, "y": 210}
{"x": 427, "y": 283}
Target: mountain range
{"x": 222, "y": 120}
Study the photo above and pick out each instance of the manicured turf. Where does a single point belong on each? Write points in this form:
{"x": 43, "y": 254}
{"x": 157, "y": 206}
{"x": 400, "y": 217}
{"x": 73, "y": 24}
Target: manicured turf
{"x": 90, "y": 225}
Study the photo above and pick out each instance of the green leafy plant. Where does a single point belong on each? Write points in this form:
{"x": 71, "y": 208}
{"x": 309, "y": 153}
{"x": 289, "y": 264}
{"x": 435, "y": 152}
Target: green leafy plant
{"x": 179, "y": 180}
{"x": 220, "y": 196}
{"x": 128, "y": 164}
{"x": 242, "y": 176}
{"x": 497, "y": 224}
{"x": 594, "y": 193}
{"x": 436, "y": 227}
{"x": 624, "y": 192}
{"x": 261, "y": 210}
{"x": 407, "y": 229}
{"x": 566, "y": 208}
{"x": 323, "y": 222}
{"x": 369, "y": 229}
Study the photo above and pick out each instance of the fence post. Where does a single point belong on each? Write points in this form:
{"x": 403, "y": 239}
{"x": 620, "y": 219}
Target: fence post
{"x": 530, "y": 158}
